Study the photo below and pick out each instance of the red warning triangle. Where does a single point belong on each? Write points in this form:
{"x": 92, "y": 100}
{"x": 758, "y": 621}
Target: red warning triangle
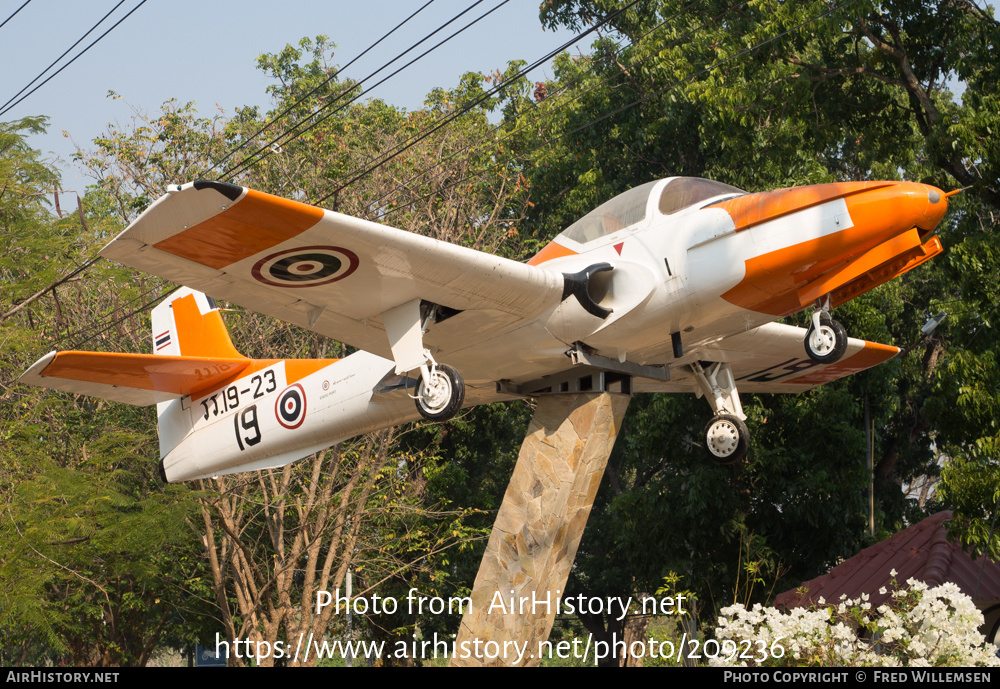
{"x": 618, "y": 247}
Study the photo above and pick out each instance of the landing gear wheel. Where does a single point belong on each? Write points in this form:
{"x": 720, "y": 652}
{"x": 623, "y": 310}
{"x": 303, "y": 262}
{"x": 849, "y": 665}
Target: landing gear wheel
{"x": 443, "y": 398}
{"x": 726, "y": 439}
{"x": 828, "y": 344}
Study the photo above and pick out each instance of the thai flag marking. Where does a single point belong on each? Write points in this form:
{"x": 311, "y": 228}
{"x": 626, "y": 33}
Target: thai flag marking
{"x": 162, "y": 340}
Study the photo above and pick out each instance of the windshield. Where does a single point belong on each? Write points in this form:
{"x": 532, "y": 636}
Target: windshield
{"x": 620, "y": 212}
{"x": 685, "y": 191}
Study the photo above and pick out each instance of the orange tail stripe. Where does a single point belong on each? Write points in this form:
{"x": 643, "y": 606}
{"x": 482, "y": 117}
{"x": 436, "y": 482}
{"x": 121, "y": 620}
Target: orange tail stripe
{"x": 174, "y": 374}
{"x": 201, "y": 334}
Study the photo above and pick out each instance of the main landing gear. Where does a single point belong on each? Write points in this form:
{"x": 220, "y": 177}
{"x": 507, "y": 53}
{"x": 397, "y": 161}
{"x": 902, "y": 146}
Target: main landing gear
{"x": 726, "y": 435}
{"x": 441, "y": 390}
{"x": 442, "y": 398}
{"x": 727, "y": 438}
{"x": 826, "y": 339}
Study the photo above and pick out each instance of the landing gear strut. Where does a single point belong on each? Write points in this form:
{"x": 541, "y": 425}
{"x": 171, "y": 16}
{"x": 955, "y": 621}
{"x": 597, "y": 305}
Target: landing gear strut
{"x": 441, "y": 390}
{"x": 826, "y": 340}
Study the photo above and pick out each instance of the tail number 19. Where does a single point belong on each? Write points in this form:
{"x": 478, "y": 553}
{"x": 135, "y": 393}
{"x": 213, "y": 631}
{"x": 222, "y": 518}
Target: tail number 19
{"x": 245, "y": 424}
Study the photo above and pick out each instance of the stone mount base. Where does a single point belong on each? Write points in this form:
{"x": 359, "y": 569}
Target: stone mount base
{"x": 540, "y": 524}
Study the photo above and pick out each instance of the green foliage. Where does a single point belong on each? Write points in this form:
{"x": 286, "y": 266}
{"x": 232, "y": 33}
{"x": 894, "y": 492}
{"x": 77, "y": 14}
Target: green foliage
{"x": 746, "y": 95}
{"x": 96, "y": 569}
{"x": 99, "y": 564}
{"x": 761, "y": 94}
{"x": 971, "y": 487}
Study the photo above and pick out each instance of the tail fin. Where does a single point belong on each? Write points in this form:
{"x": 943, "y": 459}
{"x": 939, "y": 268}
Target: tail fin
{"x": 189, "y": 324}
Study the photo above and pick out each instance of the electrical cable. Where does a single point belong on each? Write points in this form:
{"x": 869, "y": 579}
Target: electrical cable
{"x": 54, "y": 62}
{"x": 635, "y": 102}
{"x": 94, "y": 260}
{"x": 577, "y": 96}
{"x": 140, "y": 309}
{"x": 284, "y": 112}
{"x": 267, "y": 148}
{"x": 469, "y": 106}
{"x": 548, "y": 141}
{"x": 14, "y": 13}
{"x": 78, "y": 55}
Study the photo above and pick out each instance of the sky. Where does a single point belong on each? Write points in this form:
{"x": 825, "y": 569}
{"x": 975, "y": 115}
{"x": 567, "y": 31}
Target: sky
{"x": 205, "y": 51}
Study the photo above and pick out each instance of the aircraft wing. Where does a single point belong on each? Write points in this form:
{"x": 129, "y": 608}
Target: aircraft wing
{"x": 331, "y": 273}
{"x": 772, "y": 358}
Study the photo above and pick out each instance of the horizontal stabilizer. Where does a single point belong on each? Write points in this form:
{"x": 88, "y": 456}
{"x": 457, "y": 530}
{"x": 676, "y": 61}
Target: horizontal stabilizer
{"x": 139, "y": 379}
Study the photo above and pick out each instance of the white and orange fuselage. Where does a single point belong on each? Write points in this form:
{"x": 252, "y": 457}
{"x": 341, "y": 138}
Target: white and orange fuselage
{"x": 673, "y": 276}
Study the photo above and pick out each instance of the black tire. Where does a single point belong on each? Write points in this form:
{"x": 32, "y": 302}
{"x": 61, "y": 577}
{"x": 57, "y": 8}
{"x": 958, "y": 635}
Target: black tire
{"x": 832, "y": 344}
{"x": 726, "y": 439}
{"x": 445, "y": 402}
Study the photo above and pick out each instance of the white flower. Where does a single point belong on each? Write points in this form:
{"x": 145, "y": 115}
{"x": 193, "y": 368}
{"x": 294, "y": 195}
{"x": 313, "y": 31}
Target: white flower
{"x": 920, "y": 626}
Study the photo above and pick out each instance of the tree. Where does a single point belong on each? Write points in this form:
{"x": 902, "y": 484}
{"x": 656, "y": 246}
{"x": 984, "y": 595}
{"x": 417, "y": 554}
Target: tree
{"x": 276, "y": 538}
{"x": 764, "y": 95}
{"x": 99, "y": 565}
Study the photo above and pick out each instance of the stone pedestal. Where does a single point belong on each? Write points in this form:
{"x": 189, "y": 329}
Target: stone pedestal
{"x": 539, "y": 526}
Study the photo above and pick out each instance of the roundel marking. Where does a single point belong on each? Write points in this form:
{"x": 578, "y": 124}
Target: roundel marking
{"x": 290, "y": 409}
{"x": 307, "y": 266}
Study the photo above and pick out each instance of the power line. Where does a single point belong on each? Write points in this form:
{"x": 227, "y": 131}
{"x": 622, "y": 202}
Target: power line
{"x": 14, "y": 13}
{"x": 94, "y": 260}
{"x": 266, "y": 149}
{"x": 546, "y": 142}
{"x": 324, "y": 83}
{"x": 632, "y": 104}
{"x": 469, "y": 106}
{"x": 78, "y": 55}
{"x": 139, "y": 309}
{"x": 42, "y": 73}
{"x": 441, "y": 124}
{"x": 577, "y": 96}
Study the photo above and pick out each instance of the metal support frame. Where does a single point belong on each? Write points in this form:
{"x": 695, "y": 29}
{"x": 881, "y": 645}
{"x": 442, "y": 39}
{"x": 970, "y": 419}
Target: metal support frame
{"x": 581, "y": 379}
{"x": 591, "y": 373}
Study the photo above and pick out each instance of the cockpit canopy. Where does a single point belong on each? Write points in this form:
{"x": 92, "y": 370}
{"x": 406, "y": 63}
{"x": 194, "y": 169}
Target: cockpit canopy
{"x": 632, "y": 207}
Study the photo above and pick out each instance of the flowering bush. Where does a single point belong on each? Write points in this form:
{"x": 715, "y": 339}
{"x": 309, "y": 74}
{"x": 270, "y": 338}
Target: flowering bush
{"x": 918, "y": 626}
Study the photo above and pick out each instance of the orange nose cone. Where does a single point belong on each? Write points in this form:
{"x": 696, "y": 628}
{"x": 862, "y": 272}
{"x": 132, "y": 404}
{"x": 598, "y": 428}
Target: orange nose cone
{"x": 937, "y": 205}
{"x": 886, "y": 212}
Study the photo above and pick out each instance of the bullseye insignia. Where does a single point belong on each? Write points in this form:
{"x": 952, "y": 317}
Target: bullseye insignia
{"x": 290, "y": 409}
{"x": 308, "y": 266}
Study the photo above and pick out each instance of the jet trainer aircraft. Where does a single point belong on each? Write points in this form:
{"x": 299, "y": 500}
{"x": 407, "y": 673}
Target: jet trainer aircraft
{"x": 674, "y": 286}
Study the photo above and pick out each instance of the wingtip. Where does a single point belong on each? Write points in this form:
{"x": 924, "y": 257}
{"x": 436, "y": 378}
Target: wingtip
{"x": 34, "y": 373}
{"x": 230, "y": 191}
